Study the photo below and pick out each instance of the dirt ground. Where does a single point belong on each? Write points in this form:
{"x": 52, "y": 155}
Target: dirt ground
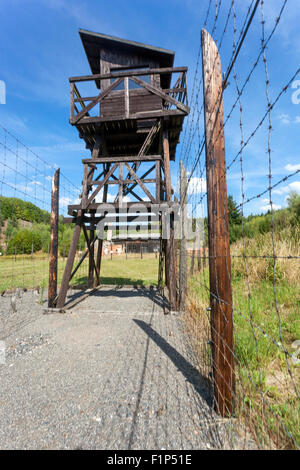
{"x": 115, "y": 372}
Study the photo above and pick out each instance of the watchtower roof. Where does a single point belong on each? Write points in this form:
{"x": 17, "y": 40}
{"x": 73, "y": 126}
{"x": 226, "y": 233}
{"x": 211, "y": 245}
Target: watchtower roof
{"x": 94, "y": 42}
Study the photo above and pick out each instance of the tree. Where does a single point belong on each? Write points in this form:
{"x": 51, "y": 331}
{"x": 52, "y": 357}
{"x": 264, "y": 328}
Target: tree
{"x": 234, "y": 212}
{"x": 294, "y": 203}
{"x": 24, "y": 241}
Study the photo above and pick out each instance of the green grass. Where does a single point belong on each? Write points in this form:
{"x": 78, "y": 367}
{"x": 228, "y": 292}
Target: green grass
{"x": 261, "y": 363}
{"x": 29, "y": 272}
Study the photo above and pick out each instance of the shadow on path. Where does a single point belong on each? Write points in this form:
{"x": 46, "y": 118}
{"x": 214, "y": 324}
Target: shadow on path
{"x": 193, "y": 376}
{"x": 123, "y": 292}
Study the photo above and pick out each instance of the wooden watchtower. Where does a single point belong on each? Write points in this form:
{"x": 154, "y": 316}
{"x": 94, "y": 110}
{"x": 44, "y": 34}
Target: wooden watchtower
{"x": 131, "y": 123}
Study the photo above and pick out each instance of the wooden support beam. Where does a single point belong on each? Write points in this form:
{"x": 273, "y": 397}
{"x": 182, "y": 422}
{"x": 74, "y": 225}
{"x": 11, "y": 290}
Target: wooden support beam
{"x": 68, "y": 269}
{"x": 137, "y": 227}
{"x": 99, "y": 98}
{"x": 94, "y": 194}
{"x": 161, "y": 94}
{"x": 131, "y": 192}
{"x": 122, "y": 158}
{"x": 97, "y": 205}
{"x": 100, "y": 241}
{"x": 173, "y": 90}
{"x": 140, "y": 183}
{"x": 91, "y": 259}
{"x": 140, "y": 115}
{"x": 126, "y": 86}
{"x": 157, "y": 181}
{"x": 117, "y": 181}
{"x": 121, "y": 183}
{"x": 91, "y": 252}
{"x": 96, "y": 148}
{"x": 72, "y": 106}
{"x": 167, "y": 169}
{"x": 119, "y": 74}
{"x": 81, "y": 261}
{"x": 218, "y": 230}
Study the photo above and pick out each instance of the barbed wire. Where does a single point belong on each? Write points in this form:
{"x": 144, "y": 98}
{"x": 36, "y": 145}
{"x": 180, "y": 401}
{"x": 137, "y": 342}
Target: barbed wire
{"x": 253, "y": 266}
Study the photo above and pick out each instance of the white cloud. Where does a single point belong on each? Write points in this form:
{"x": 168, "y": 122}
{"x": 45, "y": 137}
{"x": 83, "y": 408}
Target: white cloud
{"x": 13, "y": 123}
{"x": 268, "y": 207}
{"x": 284, "y": 119}
{"x": 295, "y": 186}
{"x": 292, "y": 167}
{"x": 66, "y": 201}
{"x": 197, "y": 186}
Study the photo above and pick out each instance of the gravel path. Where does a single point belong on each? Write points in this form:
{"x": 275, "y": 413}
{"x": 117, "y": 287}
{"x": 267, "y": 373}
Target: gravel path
{"x": 114, "y": 373}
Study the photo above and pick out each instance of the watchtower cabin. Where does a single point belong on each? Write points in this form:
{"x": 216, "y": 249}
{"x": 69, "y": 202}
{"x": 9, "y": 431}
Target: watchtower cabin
{"x": 130, "y": 116}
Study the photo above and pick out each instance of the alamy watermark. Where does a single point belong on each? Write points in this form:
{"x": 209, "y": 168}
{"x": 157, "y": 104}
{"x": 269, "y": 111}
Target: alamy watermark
{"x": 2, "y": 92}
{"x": 296, "y": 94}
{"x": 150, "y": 222}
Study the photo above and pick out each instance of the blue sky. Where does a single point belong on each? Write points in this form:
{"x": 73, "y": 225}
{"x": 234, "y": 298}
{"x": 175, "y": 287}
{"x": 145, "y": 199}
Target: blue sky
{"x": 41, "y": 48}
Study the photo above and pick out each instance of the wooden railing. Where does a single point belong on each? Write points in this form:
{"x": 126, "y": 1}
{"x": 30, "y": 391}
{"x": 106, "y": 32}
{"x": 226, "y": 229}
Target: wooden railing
{"x": 172, "y": 99}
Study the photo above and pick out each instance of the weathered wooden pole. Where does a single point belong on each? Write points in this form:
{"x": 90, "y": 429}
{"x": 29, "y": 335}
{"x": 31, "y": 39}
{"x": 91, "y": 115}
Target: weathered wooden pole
{"x": 52, "y": 288}
{"x": 218, "y": 230}
{"x": 91, "y": 260}
{"x": 74, "y": 243}
{"x": 183, "y": 248}
{"x": 170, "y": 262}
{"x": 100, "y": 241}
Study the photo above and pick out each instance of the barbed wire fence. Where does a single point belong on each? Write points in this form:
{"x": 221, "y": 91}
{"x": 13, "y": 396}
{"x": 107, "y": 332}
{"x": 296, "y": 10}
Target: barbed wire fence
{"x": 25, "y": 207}
{"x": 255, "y": 373}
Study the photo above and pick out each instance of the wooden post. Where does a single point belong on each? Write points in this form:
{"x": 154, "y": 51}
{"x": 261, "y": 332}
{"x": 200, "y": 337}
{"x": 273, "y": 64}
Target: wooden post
{"x": 100, "y": 242}
{"x": 218, "y": 232}
{"x": 91, "y": 260}
{"x": 170, "y": 245}
{"x": 183, "y": 252}
{"x": 52, "y": 289}
{"x": 69, "y": 265}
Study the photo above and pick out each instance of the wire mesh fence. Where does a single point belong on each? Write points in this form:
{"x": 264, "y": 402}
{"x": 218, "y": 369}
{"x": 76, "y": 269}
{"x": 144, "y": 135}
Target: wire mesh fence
{"x": 25, "y": 207}
{"x": 262, "y": 265}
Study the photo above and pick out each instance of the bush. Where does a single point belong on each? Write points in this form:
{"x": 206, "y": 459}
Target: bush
{"x": 24, "y": 241}
{"x": 294, "y": 205}
{"x": 11, "y": 228}
{"x": 235, "y": 233}
{"x": 65, "y": 241}
{"x": 44, "y": 232}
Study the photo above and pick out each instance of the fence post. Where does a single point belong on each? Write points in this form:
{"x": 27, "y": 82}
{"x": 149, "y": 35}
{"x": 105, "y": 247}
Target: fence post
{"x": 91, "y": 260}
{"x": 218, "y": 232}
{"x": 183, "y": 252}
{"x": 52, "y": 288}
